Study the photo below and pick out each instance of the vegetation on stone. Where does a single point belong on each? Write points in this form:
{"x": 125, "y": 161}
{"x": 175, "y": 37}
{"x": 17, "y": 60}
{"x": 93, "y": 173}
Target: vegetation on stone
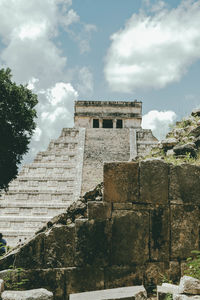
{"x": 182, "y": 143}
{"x": 17, "y": 115}
{"x": 193, "y": 265}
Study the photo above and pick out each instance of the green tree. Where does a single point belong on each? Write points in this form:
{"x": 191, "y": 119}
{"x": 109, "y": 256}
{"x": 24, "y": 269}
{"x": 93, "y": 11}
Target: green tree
{"x": 17, "y": 125}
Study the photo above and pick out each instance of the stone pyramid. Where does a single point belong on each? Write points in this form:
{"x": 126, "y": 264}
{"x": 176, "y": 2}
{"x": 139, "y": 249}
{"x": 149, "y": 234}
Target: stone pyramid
{"x": 72, "y": 165}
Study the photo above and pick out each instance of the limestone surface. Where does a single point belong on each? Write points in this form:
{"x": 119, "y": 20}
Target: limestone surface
{"x": 189, "y": 285}
{"x": 132, "y": 293}
{"x": 37, "y": 294}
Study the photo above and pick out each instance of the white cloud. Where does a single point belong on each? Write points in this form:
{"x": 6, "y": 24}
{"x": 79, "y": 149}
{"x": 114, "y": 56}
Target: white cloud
{"x": 55, "y": 111}
{"x": 27, "y": 31}
{"x": 159, "y": 122}
{"x": 85, "y": 81}
{"x": 32, "y": 82}
{"x": 156, "y": 50}
{"x": 37, "y": 134}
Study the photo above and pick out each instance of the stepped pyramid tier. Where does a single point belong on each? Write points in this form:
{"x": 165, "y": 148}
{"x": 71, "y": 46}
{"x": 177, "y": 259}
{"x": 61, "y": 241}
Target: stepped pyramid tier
{"x": 72, "y": 165}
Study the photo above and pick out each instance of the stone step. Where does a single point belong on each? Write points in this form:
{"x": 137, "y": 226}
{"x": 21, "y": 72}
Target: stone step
{"x": 51, "y": 165}
{"x": 15, "y": 237}
{"x": 38, "y": 196}
{"x": 46, "y": 178}
{"x": 32, "y": 205}
{"x": 31, "y": 211}
{"x": 24, "y": 218}
{"x": 70, "y": 153}
{"x": 131, "y": 292}
{"x": 49, "y": 172}
{"x": 43, "y": 186}
{"x": 69, "y": 132}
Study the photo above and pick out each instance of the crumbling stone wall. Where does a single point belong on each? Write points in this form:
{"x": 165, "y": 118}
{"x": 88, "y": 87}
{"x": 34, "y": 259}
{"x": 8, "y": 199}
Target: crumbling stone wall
{"x": 145, "y": 227}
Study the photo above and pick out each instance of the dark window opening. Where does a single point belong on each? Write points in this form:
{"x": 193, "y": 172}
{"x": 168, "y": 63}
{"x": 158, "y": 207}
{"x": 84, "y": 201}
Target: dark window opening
{"x": 119, "y": 124}
{"x": 107, "y": 123}
{"x": 95, "y": 123}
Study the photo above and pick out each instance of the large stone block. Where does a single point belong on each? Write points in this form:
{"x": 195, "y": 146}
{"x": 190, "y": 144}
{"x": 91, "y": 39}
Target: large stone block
{"x": 50, "y": 279}
{"x": 189, "y": 285}
{"x": 84, "y": 279}
{"x": 154, "y": 181}
{"x": 125, "y": 293}
{"x": 59, "y": 247}
{"x": 117, "y": 276}
{"x": 166, "y": 290}
{"x": 159, "y": 234}
{"x": 121, "y": 182}
{"x": 92, "y": 242}
{"x": 184, "y": 184}
{"x": 122, "y": 206}
{"x": 184, "y": 230}
{"x": 130, "y": 237}
{"x": 99, "y": 210}
{"x": 30, "y": 255}
{"x": 37, "y": 294}
{"x": 185, "y": 297}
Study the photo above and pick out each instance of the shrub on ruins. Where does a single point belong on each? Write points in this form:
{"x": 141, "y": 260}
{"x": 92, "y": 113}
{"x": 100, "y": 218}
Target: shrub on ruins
{"x": 182, "y": 143}
{"x": 17, "y": 123}
{"x": 193, "y": 265}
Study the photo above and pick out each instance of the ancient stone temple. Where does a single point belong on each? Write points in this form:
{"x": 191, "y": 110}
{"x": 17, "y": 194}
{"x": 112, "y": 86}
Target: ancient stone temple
{"x": 72, "y": 164}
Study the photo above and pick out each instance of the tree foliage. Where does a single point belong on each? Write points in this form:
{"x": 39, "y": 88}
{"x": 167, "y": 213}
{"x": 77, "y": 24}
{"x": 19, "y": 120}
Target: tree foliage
{"x": 17, "y": 125}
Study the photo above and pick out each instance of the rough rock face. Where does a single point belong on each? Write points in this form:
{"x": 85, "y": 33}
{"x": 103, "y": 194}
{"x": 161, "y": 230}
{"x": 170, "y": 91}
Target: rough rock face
{"x": 183, "y": 142}
{"x": 77, "y": 210}
{"x": 146, "y": 226}
{"x": 188, "y": 289}
{"x": 189, "y": 285}
{"x": 38, "y": 294}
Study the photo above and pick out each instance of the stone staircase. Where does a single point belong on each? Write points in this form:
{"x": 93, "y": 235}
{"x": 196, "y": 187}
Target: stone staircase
{"x": 43, "y": 188}
{"x": 103, "y": 145}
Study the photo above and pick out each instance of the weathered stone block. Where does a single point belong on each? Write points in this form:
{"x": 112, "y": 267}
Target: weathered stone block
{"x": 184, "y": 184}
{"x": 126, "y": 293}
{"x": 29, "y": 256}
{"x": 166, "y": 290}
{"x": 50, "y": 279}
{"x": 92, "y": 242}
{"x": 154, "y": 181}
{"x": 123, "y": 206}
{"x": 159, "y": 234}
{"x": 189, "y": 285}
{"x": 121, "y": 182}
{"x": 130, "y": 237}
{"x": 37, "y": 294}
{"x": 99, "y": 210}
{"x": 117, "y": 276}
{"x": 185, "y": 297}
{"x": 184, "y": 230}
{"x": 84, "y": 279}
{"x": 59, "y": 246}
{"x": 153, "y": 275}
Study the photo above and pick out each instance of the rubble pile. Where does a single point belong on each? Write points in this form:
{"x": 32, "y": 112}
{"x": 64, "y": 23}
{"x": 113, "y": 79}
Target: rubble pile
{"x": 182, "y": 143}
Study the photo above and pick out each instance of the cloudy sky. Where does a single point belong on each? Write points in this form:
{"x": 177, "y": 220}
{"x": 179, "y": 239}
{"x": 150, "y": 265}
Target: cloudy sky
{"x": 67, "y": 50}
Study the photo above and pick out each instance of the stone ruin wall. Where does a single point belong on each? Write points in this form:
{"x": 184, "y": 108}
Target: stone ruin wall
{"x": 145, "y": 227}
{"x": 72, "y": 165}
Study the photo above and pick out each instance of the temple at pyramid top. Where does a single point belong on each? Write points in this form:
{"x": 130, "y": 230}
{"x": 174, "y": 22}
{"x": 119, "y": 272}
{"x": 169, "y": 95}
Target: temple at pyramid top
{"x": 108, "y": 114}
